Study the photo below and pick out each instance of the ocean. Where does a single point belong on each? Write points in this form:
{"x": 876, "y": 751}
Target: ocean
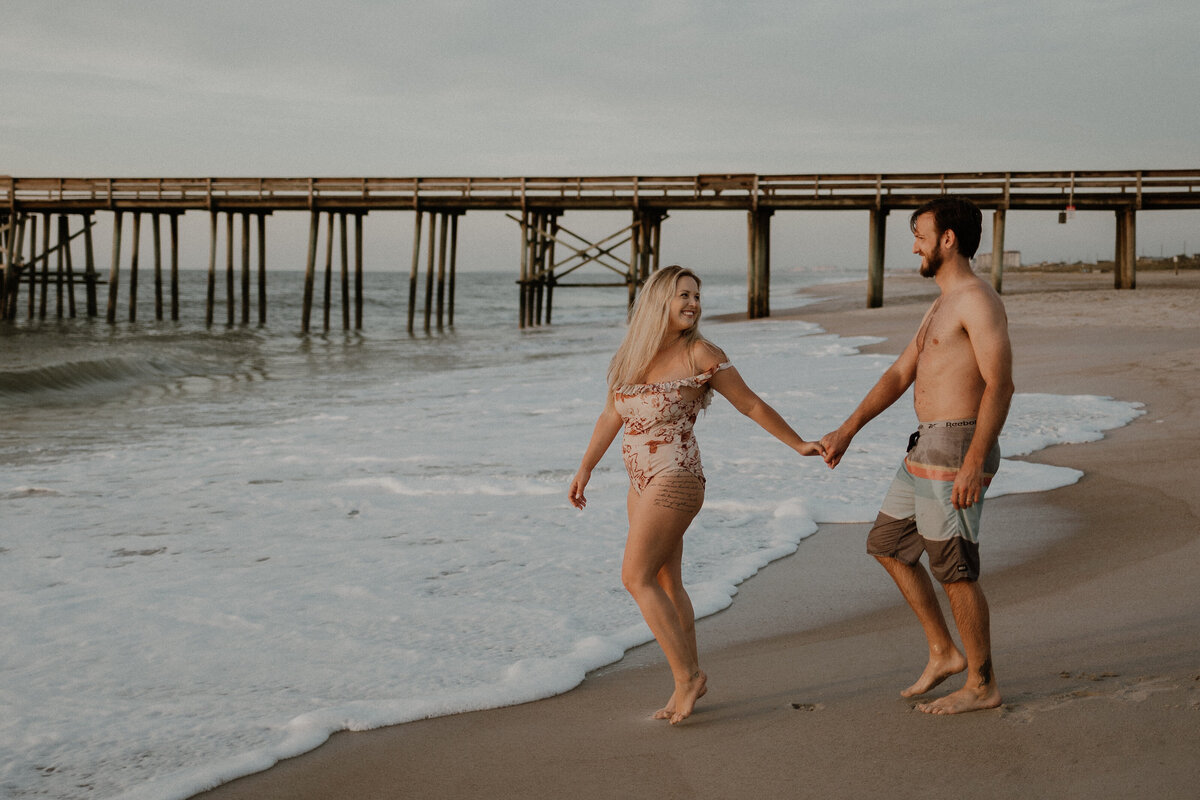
{"x": 222, "y": 545}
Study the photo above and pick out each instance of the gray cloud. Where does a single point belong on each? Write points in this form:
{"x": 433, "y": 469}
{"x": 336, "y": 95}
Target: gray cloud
{"x": 653, "y": 87}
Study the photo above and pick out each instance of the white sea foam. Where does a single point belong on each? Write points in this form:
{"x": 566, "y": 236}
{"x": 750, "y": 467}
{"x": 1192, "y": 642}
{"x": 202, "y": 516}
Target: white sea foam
{"x": 199, "y": 584}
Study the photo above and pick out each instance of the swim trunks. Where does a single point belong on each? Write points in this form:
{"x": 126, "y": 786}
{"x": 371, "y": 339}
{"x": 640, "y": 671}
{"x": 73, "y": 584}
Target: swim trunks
{"x": 917, "y": 514}
{"x": 658, "y": 426}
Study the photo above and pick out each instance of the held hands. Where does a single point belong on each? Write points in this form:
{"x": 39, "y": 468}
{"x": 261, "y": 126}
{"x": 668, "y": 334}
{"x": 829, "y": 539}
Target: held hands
{"x": 833, "y": 446}
{"x": 810, "y": 449}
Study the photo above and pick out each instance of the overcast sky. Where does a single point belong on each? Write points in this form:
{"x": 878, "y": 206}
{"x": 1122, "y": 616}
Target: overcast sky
{"x": 655, "y": 87}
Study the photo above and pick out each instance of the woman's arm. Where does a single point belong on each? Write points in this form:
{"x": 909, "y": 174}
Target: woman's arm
{"x": 734, "y": 389}
{"x": 608, "y": 425}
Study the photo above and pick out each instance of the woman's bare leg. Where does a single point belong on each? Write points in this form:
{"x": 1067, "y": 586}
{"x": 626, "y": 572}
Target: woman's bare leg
{"x": 658, "y": 519}
{"x": 670, "y": 578}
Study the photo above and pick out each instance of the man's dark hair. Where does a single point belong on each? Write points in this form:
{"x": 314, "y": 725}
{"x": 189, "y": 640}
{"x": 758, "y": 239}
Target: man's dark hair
{"x": 956, "y": 214}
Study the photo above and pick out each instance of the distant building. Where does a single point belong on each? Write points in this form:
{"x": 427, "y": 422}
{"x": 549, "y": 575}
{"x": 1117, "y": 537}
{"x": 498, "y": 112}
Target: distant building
{"x": 983, "y": 261}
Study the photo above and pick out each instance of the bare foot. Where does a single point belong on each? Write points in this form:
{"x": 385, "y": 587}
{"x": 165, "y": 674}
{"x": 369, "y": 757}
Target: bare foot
{"x": 686, "y": 694}
{"x": 668, "y": 711}
{"x": 936, "y": 671}
{"x": 965, "y": 699}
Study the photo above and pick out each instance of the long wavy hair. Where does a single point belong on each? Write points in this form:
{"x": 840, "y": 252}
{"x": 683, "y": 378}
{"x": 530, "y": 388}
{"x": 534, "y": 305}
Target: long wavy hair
{"x": 648, "y": 327}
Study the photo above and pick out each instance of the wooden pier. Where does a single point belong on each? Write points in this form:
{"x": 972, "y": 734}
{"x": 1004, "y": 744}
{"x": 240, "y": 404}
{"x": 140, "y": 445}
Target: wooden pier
{"x": 549, "y": 254}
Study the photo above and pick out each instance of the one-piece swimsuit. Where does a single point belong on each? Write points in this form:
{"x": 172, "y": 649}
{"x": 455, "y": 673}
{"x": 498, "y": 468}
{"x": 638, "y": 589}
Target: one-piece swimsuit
{"x": 658, "y": 426}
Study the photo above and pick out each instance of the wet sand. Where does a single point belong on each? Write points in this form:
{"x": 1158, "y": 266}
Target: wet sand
{"x": 1094, "y": 590}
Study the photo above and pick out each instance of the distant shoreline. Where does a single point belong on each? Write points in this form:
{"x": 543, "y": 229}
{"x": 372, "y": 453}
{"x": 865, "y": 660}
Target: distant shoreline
{"x": 1167, "y": 264}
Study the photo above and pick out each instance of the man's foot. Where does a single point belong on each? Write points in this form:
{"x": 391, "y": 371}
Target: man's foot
{"x": 680, "y": 706}
{"x": 964, "y": 700}
{"x": 936, "y": 671}
{"x": 668, "y": 711}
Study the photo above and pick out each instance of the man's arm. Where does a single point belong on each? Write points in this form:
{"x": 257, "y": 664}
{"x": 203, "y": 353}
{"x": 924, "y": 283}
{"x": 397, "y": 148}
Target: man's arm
{"x": 887, "y": 390}
{"x": 986, "y": 325}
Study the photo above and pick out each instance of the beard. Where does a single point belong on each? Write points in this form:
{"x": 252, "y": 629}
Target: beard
{"x": 933, "y": 262}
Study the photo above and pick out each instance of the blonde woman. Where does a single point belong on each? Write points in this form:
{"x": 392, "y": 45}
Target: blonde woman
{"x": 661, "y": 377}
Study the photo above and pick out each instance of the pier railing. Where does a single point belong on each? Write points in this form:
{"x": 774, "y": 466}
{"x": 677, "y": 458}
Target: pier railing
{"x": 1094, "y": 189}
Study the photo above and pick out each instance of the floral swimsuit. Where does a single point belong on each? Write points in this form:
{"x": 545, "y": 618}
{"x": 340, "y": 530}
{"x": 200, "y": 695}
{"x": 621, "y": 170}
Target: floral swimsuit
{"x": 658, "y": 426}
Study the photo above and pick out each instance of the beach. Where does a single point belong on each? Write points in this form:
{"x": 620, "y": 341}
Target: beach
{"x": 1094, "y": 591}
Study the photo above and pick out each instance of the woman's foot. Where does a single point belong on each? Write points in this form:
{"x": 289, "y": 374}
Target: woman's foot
{"x": 684, "y": 698}
{"x": 668, "y": 711}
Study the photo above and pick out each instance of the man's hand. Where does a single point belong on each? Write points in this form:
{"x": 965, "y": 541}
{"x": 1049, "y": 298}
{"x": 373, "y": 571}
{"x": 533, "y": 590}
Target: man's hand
{"x": 834, "y": 444}
{"x": 968, "y": 487}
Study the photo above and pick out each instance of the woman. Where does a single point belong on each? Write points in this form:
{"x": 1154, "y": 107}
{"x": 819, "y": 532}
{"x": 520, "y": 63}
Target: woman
{"x": 661, "y": 377}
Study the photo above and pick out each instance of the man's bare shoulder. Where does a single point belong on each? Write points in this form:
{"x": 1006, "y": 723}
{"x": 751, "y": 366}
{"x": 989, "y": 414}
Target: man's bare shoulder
{"x": 976, "y": 300}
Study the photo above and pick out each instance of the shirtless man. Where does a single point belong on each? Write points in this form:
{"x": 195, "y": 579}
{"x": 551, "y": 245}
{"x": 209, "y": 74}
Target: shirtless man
{"x": 961, "y": 364}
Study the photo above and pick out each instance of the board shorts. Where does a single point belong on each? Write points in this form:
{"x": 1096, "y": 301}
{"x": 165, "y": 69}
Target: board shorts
{"x": 917, "y": 514}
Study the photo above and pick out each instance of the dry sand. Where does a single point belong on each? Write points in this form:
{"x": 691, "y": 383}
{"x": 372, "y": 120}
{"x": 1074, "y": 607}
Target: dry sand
{"x": 1094, "y": 591}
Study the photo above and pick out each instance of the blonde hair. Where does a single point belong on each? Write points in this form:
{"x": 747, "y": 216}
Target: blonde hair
{"x": 648, "y": 326}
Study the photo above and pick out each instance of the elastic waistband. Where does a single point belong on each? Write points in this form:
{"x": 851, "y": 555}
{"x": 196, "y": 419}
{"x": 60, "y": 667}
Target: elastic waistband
{"x": 946, "y": 423}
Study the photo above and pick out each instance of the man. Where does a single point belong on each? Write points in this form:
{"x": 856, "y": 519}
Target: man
{"x": 960, "y": 365}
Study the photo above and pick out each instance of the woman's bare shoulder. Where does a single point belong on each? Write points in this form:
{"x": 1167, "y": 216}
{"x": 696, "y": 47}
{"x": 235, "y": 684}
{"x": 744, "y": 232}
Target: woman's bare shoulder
{"x": 707, "y": 355}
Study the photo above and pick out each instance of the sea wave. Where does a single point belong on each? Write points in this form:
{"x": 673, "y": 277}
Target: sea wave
{"x": 85, "y": 378}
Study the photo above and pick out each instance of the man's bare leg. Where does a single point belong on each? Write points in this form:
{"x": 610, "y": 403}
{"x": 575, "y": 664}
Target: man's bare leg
{"x": 971, "y": 616}
{"x": 945, "y": 659}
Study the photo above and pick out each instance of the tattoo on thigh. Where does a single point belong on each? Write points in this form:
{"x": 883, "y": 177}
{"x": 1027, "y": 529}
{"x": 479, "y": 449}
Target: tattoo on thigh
{"x": 678, "y": 492}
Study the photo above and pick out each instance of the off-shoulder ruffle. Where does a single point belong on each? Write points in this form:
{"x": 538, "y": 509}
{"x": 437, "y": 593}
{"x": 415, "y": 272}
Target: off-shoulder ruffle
{"x": 666, "y": 386}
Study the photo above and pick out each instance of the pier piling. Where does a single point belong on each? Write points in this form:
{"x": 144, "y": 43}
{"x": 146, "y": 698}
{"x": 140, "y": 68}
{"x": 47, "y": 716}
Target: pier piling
{"x": 64, "y": 238}
{"x": 11, "y": 255}
{"x": 114, "y": 271}
{"x": 758, "y": 289}
{"x": 345, "y": 236}
{"x": 453, "y": 263}
{"x": 433, "y": 224}
{"x": 89, "y": 266}
{"x": 245, "y": 268}
{"x": 211, "y": 285}
{"x": 314, "y": 220}
{"x": 230, "y": 301}
{"x": 1125, "y": 257}
{"x": 412, "y": 275}
{"x": 328, "y": 267}
{"x": 133, "y": 265}
{"x": 262, "y": 269}
{"x": 998, "y": 249}
{"x": 877, "y": 237}
{"x": 58, "y": 272}
{"x": 45, "y": 298}
{"x": 32, "y": 267}
{"x": 443, "y": 239}
{"x": 156, "y": 238}
{"x": 358, "y": 271}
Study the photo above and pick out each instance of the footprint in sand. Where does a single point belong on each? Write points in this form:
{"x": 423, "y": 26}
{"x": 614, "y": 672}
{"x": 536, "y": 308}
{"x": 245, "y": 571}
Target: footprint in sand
{"x": 1131, "y": 690}
{"x": 808, "y": 706}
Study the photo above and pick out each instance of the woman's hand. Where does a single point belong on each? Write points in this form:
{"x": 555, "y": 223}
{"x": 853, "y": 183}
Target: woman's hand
{"x": 575, "y": 493}
{"x": 811, "y": 449}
